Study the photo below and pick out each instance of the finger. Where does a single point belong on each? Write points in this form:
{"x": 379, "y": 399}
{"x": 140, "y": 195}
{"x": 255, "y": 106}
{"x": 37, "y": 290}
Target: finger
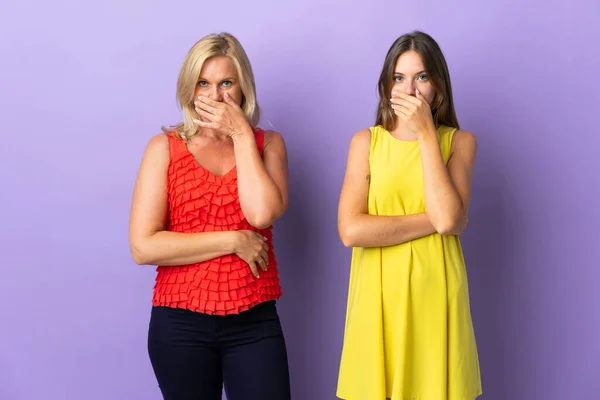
{"x": 406, "y": 97}
{"x": 400, "y": 109}
{"x": 262, "y": 264}
{"x": 204, "y": 106}
{"x": 420, "y": 96}
{"x": 203, "y": 124}
{"x": 260, "y": 237}
{"x": 265, "y": 246}
{"x": 403, "y": 102}
{"x": 264, "y": 259}
{"x": 207, "y": 115}
{"x": 229, "y": 100}
{"x": 210, "y": 102}
{"x": 254, "y": 269}
{"x": 403, "y": 116}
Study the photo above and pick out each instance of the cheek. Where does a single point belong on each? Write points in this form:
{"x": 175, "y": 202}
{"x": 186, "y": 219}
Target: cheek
{"x": 430, "y": 97}
{"x": 236, "y": 94}
{"x": 198, "y": 91}
{"x": 428, "y": 92}
{"x": 396, "y": 86}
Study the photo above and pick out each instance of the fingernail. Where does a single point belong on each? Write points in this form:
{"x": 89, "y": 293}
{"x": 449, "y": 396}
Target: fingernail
{"x": 199, "y": 97}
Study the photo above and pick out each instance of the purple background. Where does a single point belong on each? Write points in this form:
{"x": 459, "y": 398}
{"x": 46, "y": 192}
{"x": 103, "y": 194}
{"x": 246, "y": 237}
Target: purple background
{"x": 84, "y": 85}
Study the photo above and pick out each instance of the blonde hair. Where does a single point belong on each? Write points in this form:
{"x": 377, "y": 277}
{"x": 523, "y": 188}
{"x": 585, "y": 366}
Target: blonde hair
{"x": 214, "y": 45}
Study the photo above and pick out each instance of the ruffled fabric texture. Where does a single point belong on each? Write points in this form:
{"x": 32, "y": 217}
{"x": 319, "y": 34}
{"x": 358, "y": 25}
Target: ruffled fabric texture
{"x": 202, "y": 202}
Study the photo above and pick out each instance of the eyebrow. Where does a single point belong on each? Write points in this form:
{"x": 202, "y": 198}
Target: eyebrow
{"x": 420, "y": 72}
{"x": 224, "y": 79}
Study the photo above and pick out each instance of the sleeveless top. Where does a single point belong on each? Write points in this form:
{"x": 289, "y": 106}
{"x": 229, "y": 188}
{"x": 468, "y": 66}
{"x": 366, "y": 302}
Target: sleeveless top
{"x": 200, "y": 201}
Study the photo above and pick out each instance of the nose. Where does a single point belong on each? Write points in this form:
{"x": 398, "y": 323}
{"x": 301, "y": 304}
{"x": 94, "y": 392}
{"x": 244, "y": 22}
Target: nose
{"x": 215, "y": 93}
{"x": 410, "y": 88}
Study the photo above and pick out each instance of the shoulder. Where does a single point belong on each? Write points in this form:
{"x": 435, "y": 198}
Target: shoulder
{"x": 158, "y": 143}
{"x": 464, "y": 147}
{"x": 273, "y": 140}
{"x": 362, "y": 134}
{"x": 360, "y": 145}
{"x": 272, "y": 136}
{"x": 361, "y": 141}
{"x": 361, "y": 138}
{"x": 161, "y": 139}
{"x": 464, "y": 140}
{"x": 158, "y": 146}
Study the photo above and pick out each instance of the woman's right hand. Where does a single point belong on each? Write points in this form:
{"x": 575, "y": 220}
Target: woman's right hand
{"x": 252, "y": 247}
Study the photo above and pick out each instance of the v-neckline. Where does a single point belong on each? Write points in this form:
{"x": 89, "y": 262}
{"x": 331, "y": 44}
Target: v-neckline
{"x": 220, "y": 177}
{"x": 225, "y": 175}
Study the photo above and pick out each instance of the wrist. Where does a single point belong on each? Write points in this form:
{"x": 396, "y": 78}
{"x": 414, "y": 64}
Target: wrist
{"x": 428, "y": 136}
{"x": 231, "y": 242}
{"x": 242, "y": 136}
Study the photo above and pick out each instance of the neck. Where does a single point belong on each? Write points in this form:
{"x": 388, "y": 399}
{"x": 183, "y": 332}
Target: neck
{"x": 401, "y": 131}
{"x": 213, "y": 135}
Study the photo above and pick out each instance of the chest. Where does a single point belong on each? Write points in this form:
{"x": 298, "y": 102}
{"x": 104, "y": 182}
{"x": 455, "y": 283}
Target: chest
{"x": 216, "y": 158}
{"x": 396, "y": 169}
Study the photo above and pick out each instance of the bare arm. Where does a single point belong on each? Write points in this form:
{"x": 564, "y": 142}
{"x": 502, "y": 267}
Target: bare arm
{"x": 262, "y": 183}
{"x": 148, "y": 240}
{"x": 356, "y": 227}
{"x": 448, "y": 189}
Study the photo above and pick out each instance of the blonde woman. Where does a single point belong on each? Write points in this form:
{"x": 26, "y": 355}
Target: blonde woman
{"x": 402, "y": 209}
{"x": 207, "y": 193}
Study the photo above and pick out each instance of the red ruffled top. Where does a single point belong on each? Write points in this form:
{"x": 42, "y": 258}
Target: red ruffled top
{"x": 202, "y": 202}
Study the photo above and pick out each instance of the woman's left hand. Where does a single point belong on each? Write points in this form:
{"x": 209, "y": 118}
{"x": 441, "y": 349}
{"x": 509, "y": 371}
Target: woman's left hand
{"x": 415, "y": 111}
{"x": 225, "y": 117}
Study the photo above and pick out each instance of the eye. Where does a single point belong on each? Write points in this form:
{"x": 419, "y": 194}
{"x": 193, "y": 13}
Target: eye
{"x": 398, "y": 78}
{"x": 202, "y": 83}
{"x": 227, "y": 83}
{"x": 422, "y": 77}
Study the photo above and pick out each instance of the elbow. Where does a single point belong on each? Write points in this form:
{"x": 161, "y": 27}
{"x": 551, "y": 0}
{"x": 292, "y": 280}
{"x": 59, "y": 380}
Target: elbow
{"x": 446, "y": 226}
{"x": 347, "y": 235}
{"x": 263, "y": 219}
{"x": 348, "y": 242}
{"x": 261, "y": 223}
{"x": 262, "y": 216}
{"x": 139, "y": 255}
{"x": 444, "y": 230}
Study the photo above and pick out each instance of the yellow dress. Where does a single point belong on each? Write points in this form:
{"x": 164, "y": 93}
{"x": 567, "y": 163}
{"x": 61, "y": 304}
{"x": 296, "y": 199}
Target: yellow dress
{"x": 408, "y": 334}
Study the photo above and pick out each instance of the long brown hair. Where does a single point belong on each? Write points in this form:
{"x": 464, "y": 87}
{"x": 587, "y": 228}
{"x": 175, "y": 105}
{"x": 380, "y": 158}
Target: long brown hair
{"x": 442, "y": 107}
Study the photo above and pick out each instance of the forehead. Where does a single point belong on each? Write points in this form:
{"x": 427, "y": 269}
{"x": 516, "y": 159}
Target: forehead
{"x": 409, "y": 62}
{"x": 218, "y": 67}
